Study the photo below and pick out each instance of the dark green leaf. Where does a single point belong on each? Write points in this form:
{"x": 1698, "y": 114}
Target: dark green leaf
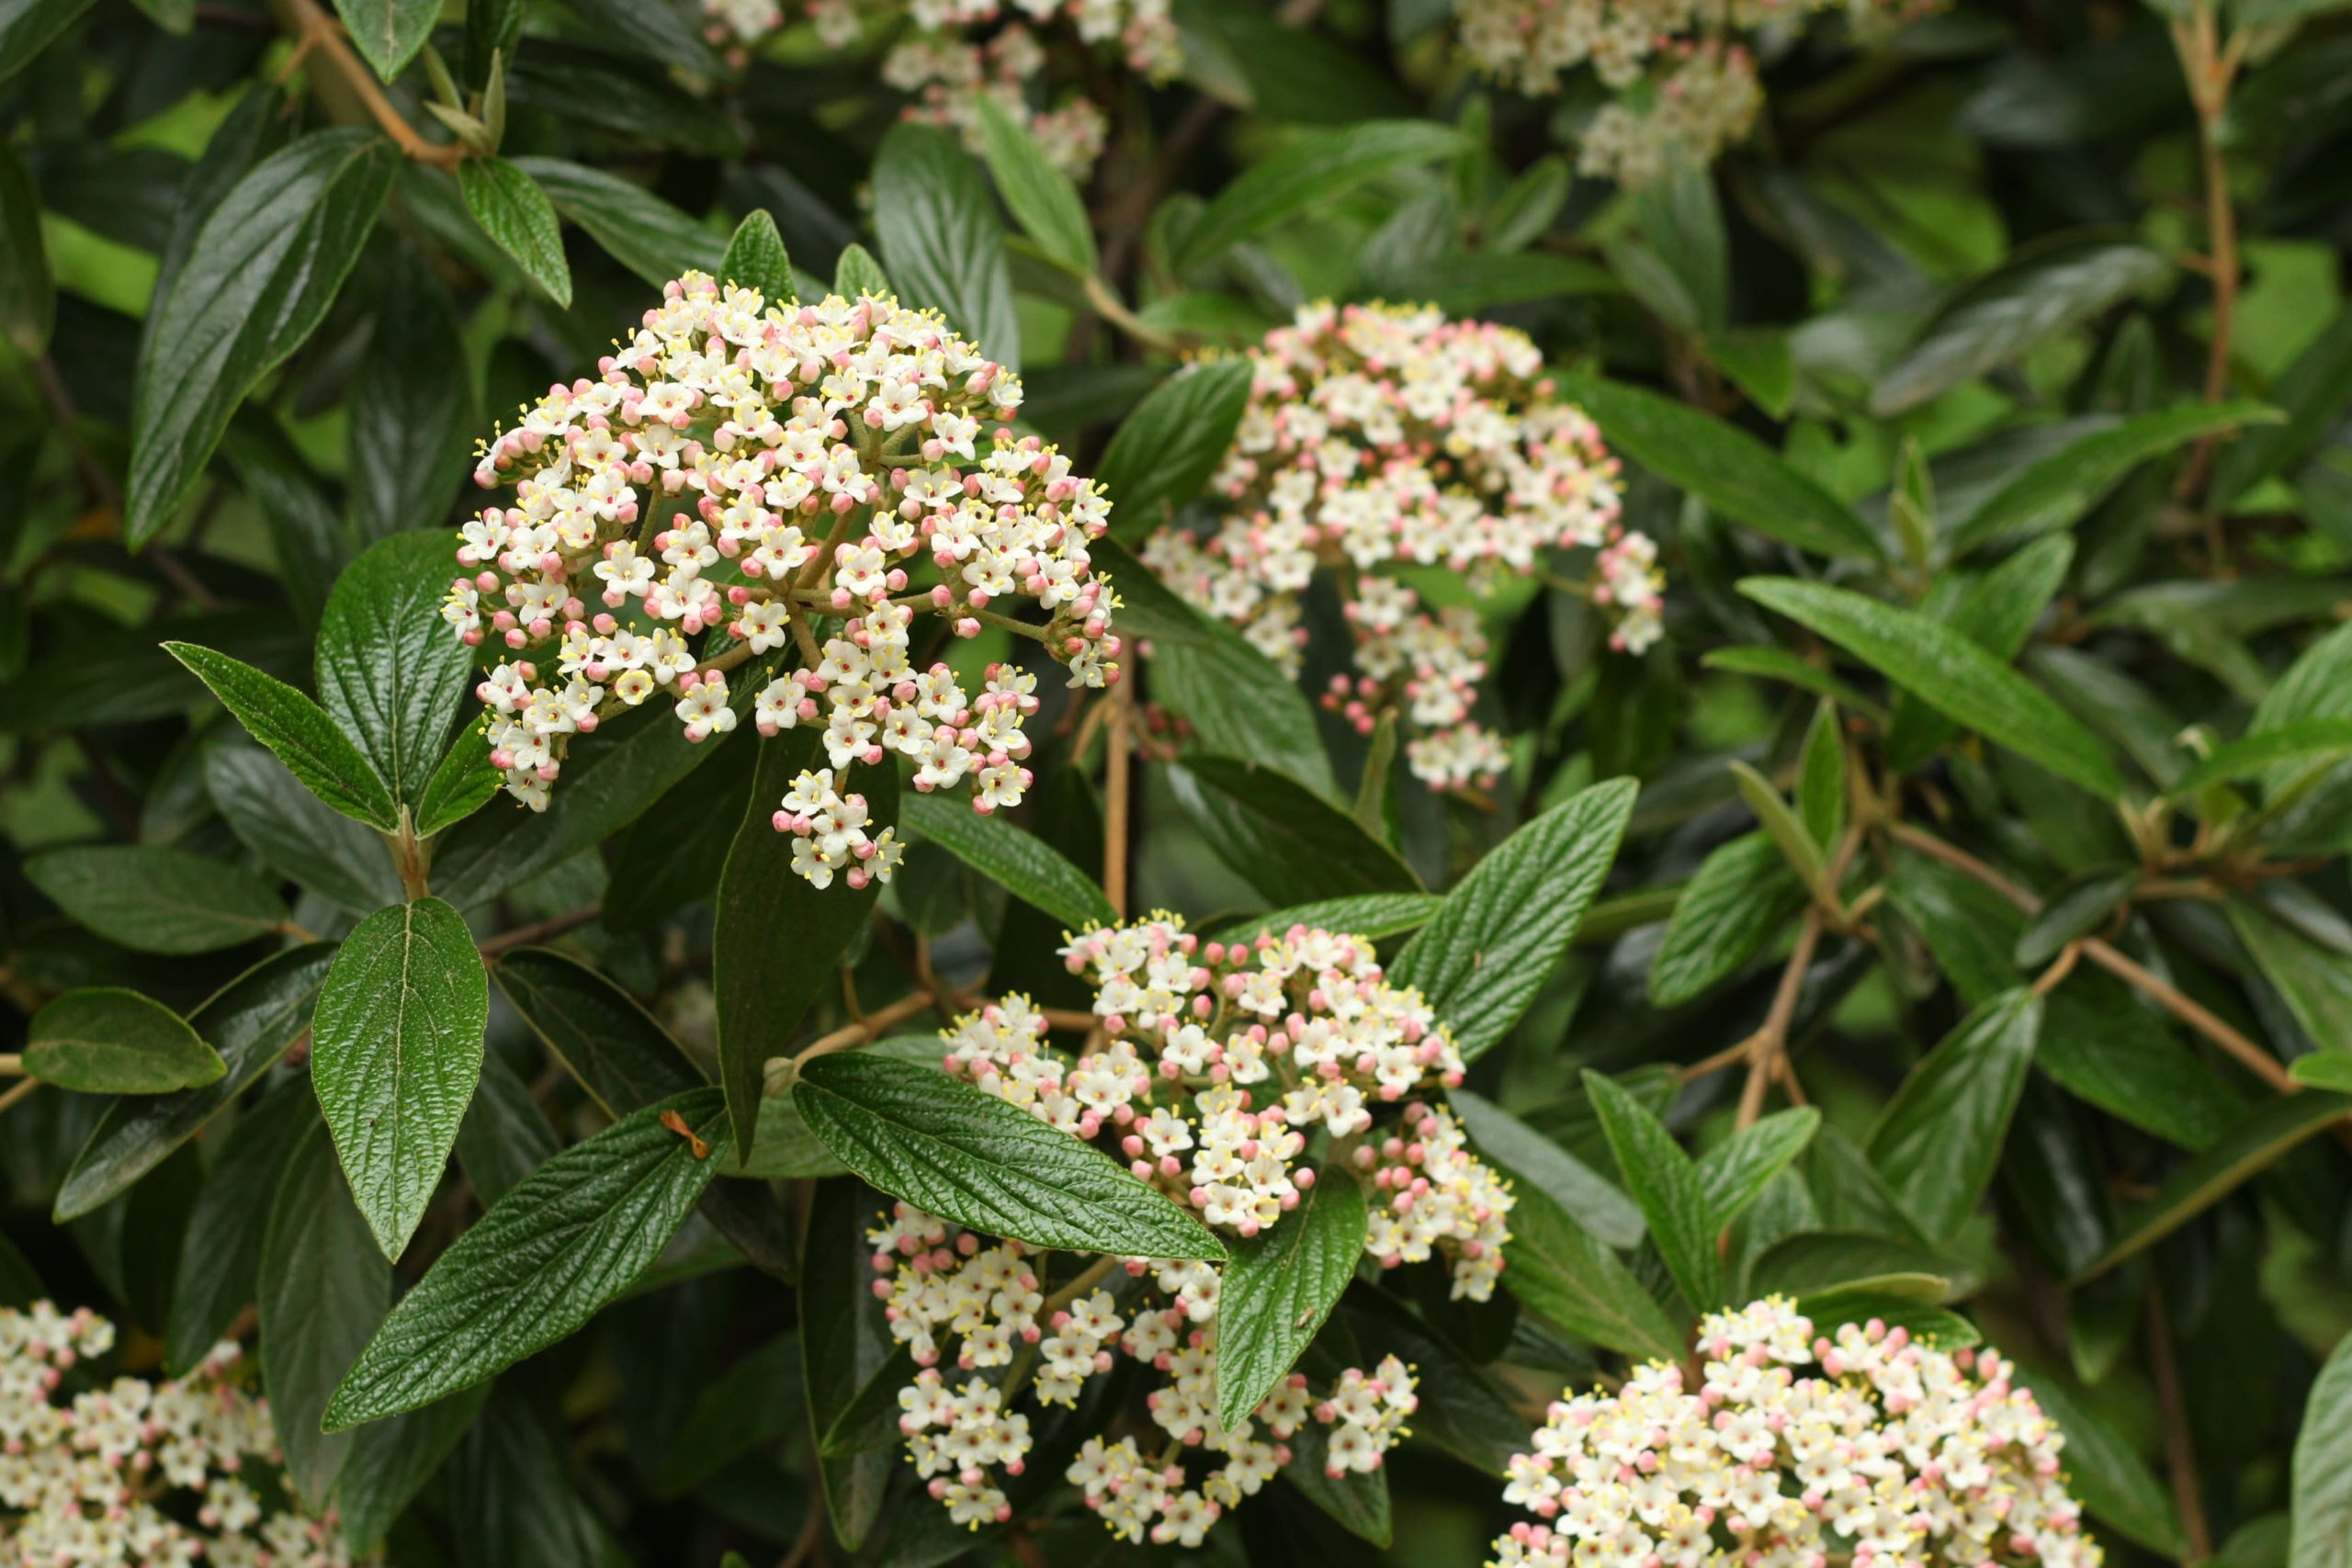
{"x": 411, "y": 412}
{"x": 2323, "y": 1479}
{"x": 1783, "y": 826}
{"x": 2110, "y": 1480}
{"x": 2315, "y": 982}
{"x": 158, "y": 900}
{"x": 1734, "y": 1173}
{"x": 298, "y": 731}
{"x": 1556, "y": 1268}
{"x": 516, "y": 214}
{"x": 1487, "y": 951}
{"x": 264, "y": 268}
{"x": 297, "y": 835}
{"x": 1938, "y": 1140}
{"x": 506, "y": 1136}
{"x": 27, "y": 27}
{"x": 1779, "y": 664}
{"x": 1948, "y": 672}
{"x": 392, "y": 674}
{"x": 1532, "y": 1160}
{"x": 756, "y": 259}
{"x": 461, "y": 784}
{"x": 391, "y": 1460}
{"x": 1040, "y": 196}
{"x": 1996, "y": 612}
{"x": 941, "y": 239}
{"x": 2295, "y": 744}
{"x": 1371, "y": 915}
{"x": 27, "y": 298}
{"x": 2312, "y": 393}
{"x": 1358, "y": 1500}
{"x": 1743, "y": 895}
{"x": 1724, "y": 467}
{"x": 637, "y": 229}
{"x": 324, "y": 1289}
{"x": 2076, "y": 910}
{"x": 610, "y": 1044}
{"x": 1666, "y": 1184}
{"x": 104, "y": 1040}
{"x": 542, "y": 1262}
{"x": 1019, "y": 862}
{"x": 1282, "y": 837}
{"x": 1813, "y": 1262}
{"x": 968, "y": 1157}
{"x": 1164, "y": 452}
{"x": 843, "y": 1345}
{"x": 1279, "y": 1285}
{"x": 2061, "y": 487}
{"x": 1238, "y": 704}
{"x": 250, "y": 1021}
{"x": 220, "y": 1260}
{"x": 1461, "y": 284}
{"x": 395, "y": 1052}
{"x": 1311, "y": 171}
{"x": 388, "y": 32}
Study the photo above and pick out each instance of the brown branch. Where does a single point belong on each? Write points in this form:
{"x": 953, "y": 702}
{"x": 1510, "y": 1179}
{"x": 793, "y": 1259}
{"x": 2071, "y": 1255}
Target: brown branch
{"x": 539, "y": 931}
{"x": 2209, "y": 69}
{"x": 18, "y": 1091}
{"x": 318, "y": 37}
{"x": 1763, "y": 1049}
{"x": 1116, "y": 788}
{"x": 2180, "y": 1445}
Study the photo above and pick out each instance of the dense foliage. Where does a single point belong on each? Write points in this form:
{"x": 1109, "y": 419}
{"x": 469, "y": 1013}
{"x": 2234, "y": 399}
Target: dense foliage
{"x": 1550, "y": 782}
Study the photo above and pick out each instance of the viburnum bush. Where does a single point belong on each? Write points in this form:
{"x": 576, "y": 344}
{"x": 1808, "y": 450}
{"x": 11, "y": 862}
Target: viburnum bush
{"x": 1552, "y": 783}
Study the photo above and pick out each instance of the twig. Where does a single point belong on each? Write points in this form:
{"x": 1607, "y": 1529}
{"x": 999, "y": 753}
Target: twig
{"x": 1114, "y": 807}
{"x": 11, "y": 1065}
{"x": 2060, "y": 968}
{"x": 320, "y": 38}
{"x": 867, "y": 1028}
{"x": 539, "y": 931}
{"x": 16, "y": 1092}
{"x": 2209, "y": 69}
{"x": 1764, "y": 1047}
{"x": 2181, "y": 1446}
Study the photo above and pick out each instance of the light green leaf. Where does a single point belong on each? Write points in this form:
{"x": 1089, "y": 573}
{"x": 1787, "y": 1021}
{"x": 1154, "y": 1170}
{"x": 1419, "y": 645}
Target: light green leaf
{"x": 391, "y": 673}
{"x": 1019, "y": 862}
{"x": 1783, "y": 826}
{"x": 461, "y": 784}
{"x": 104, "y": 1040}
{"x": 1821, "y": 778}
{"x": 1487, "y": 951}
{"x": 264, "y": 269}
{"x": 298, "y": 731}
{"x": 857, "y": 275}
{"x": 153, "y": 900}
{"x": 2315, "y": 982}
{"x": 1040, "y": 196}
{"x": 516, "y": 214}
{"x": 1163, "y": 453}
{"x": 1948, "y": 672}
{"x": 1938, "y": 1140}
{"x": 2323, "y": 1474}
{"x": 1996, "y": 612}
{"x": 388, "y": 32}
{"x": 323, "y": 1288}
{"x": 1311, "y": 171}
{"x": 1724, "y": 467}
{"x": 1279, "y": 1285}
{"x": 951, "y": 1150}
{"x": 1666, "y": 1184}
{"x": 395, "y": 1052}
{"x": 2313, "y": 394}
{"x": 941, "y": 239}
{"x": 756, "y": 259}
{"x": 2288, "y": 745}
{"x": 542, "y": 1262}
{"x": 1779, "y": 664}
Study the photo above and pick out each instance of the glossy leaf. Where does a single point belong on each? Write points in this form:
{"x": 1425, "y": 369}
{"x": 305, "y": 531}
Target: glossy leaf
{"x": 2323, "y": 1474}
{"x": 106, "y": 1040}
{"x": 388, "y": 33}
{"x": 264, "y": 269}
{"x": 952, "y": 1150}
{"x": 1315, "y": 170}
{"x": 1559, "y": 1269}
{"x": 1018, "y": 861}
{"x": 391, "y": 673}
{"x": 637, "y": 229}
{"x": 941, "y": 239}
{"x": 395, "y": 1052}
{"x": 391, "y": 1460}
{"x": 516, "y": 214}
{"x": 845, "y": 1347}
{"x": 1282, "y": 837}
{"x": 2315, "y": 981}
{"x": 1533, "y": 1160}
{"x": 1733, "y": 1173}
{"x": 1163, "y": 453}
{"x": 2112, "y": 1481}
{"x": 462, "y": 782}
{"x": 1040, "y": 196}
{"x": 1948, "y": 672}
{"x": 153, "y": 900}
{"x": 296, "y": 834}
{"x": 542, "y": 1262}
{"x": 324, "y": 1289}
{"x": 1938, "y": 1140}
{"x": 1742, "y": 897}
{"x": 2061, "y": 487}
{"x": 411, "y": 425}
{"x": 1666, "y": 1184}
{"x": 1489, "y": 950}
{"x": 1278, "y": 1287}
{"x": 1371, "y": 915}
{"x": 298, "y": 732}
{"x": 2313, "y": 394}
{"x": 220, "y": 1262}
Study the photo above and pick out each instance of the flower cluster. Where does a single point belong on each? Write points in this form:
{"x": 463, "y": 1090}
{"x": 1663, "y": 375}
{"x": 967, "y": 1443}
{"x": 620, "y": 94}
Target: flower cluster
{"x": 762, "y": 470}
{"x": 1216, "y": 1059}
{"x": 1799, "y": 1449}
{"x": 85, "y": 1481}
{"x": 947, "y": 1289}
{"x": 1381, "y": 437}
{"x": 1687, "y": 85}
{"x": 956, "y": 52}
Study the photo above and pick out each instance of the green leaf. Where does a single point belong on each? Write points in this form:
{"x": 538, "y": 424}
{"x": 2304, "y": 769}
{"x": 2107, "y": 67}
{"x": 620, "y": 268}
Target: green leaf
{"x": 1369, "y": 915}
{"x": 395, "y": 1052}
{"x": 2075, "y": 911}
{"x": 2255, "y": 755}
{"x": 250, "y": 1021}
{"x": 104, "y": 1040}
{"x": 219, "y": 1261}
{"x": 1779, "y": 664}
{"x": 1666, "y": 1184}
{"x": 2323, "y": 1474}
{"x": 955, "y": 1151}
{"x": 1998, "y": 317}
{"x": 296, "y": 834}
{"x": 391, "y": 1460}
{"x": 1463, "y": 283}
{"x": 461, "y": 784}
{"x": 1945, "y": 1330}
{"x": 2315, "y": 982}
{"x": 1948, "y": 672}
{"x": 392, "y": 674}
{"x": 843, "y": 1347}
{"x": 1489, "y": 948}
{"x": 298, "y": 731}
{"x": 1282, "y": 837}
{"x": 857, "y": 275}
{"x": 1019, "y": 862}
{"x": 1812, "y": 1262}
{"x": 1760, "y": 363}
{"x": 323, "y": 1288}
{"x": 1164, "y": 452}
{"x": 756, "y": 259}
{"x": 411, "y": 419}
{"x": 27, "y": 27}
{"x": 1938, "y": 1140}
{"x": 1239, "y": 703}
{"x": 1557, "y": 1270}
{"x": 1743, "y": 895}
{"x": 1357, "y": 1500}
{"x": 542, "y": 1262}
{"x": 2106, "y": 1476}
{"x": 510, "y": 208}
{"x": 2313, "y": 394}
{"x": 1727, "y": 467}
{"x": 1734, "y": 1173}
{"x": 1309, "y": 171}
{"x": 1040, "y": 196}
{"x": 264, "y": 268}
{"x": 1279, "y": 1285}
{"x": 2059, "y": 489}
{"x": 388, "y": 32}
{"x": 1821, "y": 778}
{"x": 637, "y": 229}
{"x": 2324, "y": 1069}
{"x": 1783, "y": 826}
{"x": 777, "y": 935}
{"x": 941, "y": 239}
{"x": 157, "y": 900}
{"x": 2255, "y": 1142}
{"x": 28, "y": 297}
{"x": 1996, "y": 612}
{"x": 505, "y": 1135}
{"x": 1532, "y": 1160}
